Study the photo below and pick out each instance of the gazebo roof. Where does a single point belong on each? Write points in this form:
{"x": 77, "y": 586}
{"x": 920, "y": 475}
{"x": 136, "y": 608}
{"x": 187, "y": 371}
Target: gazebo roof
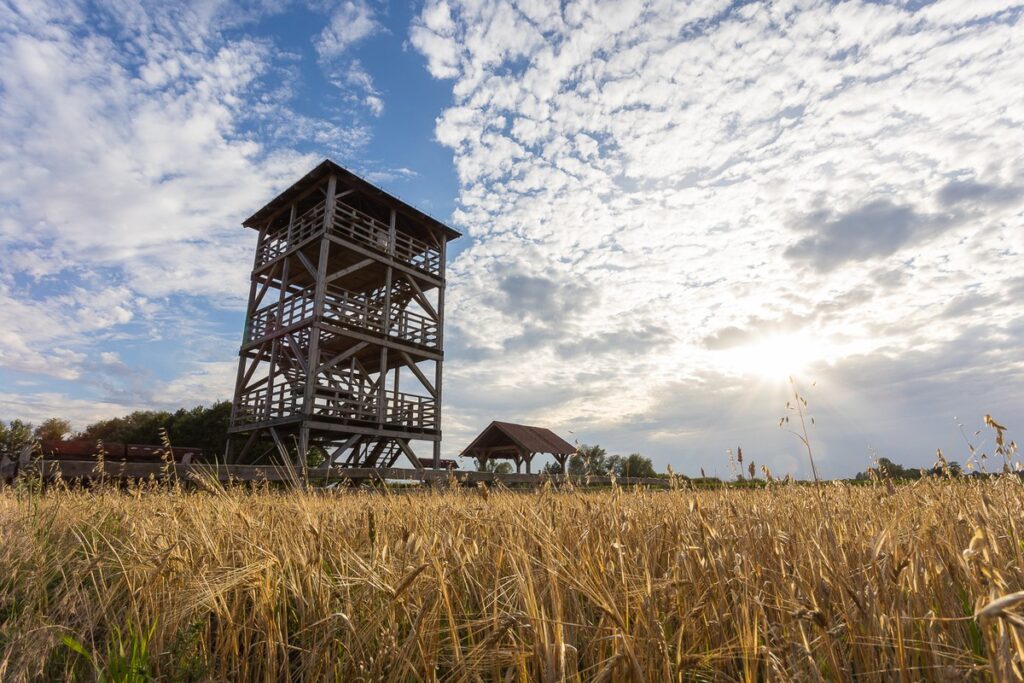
{"x": 523, "y": 438}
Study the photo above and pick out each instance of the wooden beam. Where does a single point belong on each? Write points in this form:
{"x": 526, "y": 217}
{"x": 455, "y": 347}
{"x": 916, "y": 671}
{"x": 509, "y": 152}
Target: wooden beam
{"x": 254, "y": 304}
{"x": 364, "y": 251}
{"x": 329, "y": 202}
{"x": 371, "y": 459}
{"x": 342, "y": 356}
{"x": 390, "y": 343}
{"x": 305, "y": 262}
{"x": 252, "y": 369}
{"x": 297, "y": 353}
{"x": 245, "y": 448}
{"x": 419, "y": 374}
{"x": 349, "y": 443}
{"x": 348, "y": 271}
{"x": 409, "y": 453}
{"x": 421, "y": 298}
{"x": 318, "y": 303}
{"x": 281, "y": 449}
{"x": 291, "y": 223}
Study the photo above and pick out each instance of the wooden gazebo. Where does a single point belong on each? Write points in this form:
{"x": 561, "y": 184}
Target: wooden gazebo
{"x": 518, "y": 443}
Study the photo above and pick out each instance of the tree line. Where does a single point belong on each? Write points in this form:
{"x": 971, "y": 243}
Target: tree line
{"x": 587, "y": 460}
{"x": 207, "y": 428}
{"x": 199, "y": 427}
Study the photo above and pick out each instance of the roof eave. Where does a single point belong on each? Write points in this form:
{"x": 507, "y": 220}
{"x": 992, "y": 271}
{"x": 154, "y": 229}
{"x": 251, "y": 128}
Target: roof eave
{"x": 326, "y": 166}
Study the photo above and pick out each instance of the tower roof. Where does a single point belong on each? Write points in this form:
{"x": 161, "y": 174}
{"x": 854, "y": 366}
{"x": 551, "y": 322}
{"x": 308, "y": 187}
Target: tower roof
{"x": 327, "y": 167}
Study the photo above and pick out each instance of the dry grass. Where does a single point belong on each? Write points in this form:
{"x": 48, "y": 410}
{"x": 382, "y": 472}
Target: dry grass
{"x": 876, "y": 583}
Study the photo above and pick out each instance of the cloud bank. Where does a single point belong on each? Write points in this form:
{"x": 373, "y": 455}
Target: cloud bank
{"x": 655, "y": 189}
{"x": 134, "y": 137}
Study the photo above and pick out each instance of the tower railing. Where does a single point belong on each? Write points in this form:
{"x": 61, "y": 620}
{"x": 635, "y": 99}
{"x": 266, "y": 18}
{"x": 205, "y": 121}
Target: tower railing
{"x": 344, "y": 309}
{"x": 401, "y": 409}
{"x": 283, "y": 239}
{"x": 262, "y": 404}
{"x": 356, "y": 226}
{"x": 291, "y": 310}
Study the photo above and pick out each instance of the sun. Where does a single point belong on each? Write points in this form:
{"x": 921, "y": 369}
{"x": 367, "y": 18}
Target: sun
{"x": 777, "y": 356}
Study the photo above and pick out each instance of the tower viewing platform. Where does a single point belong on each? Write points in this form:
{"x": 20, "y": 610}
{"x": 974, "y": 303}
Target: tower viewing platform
{"x": 342, "y": 347}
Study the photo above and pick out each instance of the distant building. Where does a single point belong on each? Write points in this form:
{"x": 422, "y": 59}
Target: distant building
{"x": 518, "y": 443}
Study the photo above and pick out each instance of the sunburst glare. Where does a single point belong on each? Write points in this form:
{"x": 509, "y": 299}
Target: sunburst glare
{"x": 778, "y": 356}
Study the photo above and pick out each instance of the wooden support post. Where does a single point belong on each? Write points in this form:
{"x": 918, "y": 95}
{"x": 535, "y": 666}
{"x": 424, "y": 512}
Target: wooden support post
{"x": 303, "y": 446}
{"x": 245, "y": 448}
{"x": 271, "y": 372}
{"x": 282, "y": 450}
{"x": 438, "y": 363}
{"x": 382, "y": 408}
{"x": 291, "y": 228}
{"x": 313, "y": 361}
{"x": 239, "y": 386}
{"x": 404, "y": 445}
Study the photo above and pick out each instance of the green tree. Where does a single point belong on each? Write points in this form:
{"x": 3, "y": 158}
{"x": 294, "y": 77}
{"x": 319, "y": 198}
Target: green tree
{"x": 205, "y": 428}
{"x": 140, "y": 427}
{"x": 635, "y": 465}
{"x": 199, "y": 427}
{"x": 589, "y": 460}
{"x": 594, "y": 460}
{"x": 53, "y": 429}
{"x": 886, "y": 468}
{"x": 551, "y": 468}
{"x": 493, "y": 466}
{"x": 14, "y": 436}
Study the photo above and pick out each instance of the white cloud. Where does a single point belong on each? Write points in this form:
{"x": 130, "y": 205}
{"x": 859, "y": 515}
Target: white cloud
{"x": 352, "y": 22}
{"x": 356, "y": 79}
{"x": 842, "y": 171}
{"x": 128, "y": 165}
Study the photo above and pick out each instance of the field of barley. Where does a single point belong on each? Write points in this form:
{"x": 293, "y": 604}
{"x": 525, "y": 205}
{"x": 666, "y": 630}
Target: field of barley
{"x": 790, "y": 582}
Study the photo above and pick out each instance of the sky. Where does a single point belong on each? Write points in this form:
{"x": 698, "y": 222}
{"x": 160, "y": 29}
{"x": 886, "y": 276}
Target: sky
{"x": 669, "y": 209}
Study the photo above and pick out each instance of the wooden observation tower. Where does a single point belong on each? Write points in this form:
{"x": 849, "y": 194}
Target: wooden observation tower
{"x": 343, "y": 342}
